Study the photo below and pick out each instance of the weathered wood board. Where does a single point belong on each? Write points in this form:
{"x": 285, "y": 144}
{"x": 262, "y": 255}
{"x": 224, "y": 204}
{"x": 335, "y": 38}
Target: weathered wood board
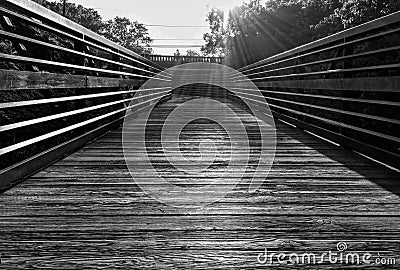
{"x": 86, "y": 212}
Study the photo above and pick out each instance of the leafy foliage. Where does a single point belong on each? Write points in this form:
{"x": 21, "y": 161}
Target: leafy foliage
{"x": 349, "y": 13}
{"x": 192, "y": 53}
{"x": 129, "y": 34}
{"x": 214, "y": 40}
{"x": 87, "y": 17}
{"x": 255, "y": 31}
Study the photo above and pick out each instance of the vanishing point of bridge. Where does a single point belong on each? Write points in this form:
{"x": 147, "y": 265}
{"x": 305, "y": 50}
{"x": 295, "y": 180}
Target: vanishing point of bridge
{"x": 69, "y": 201}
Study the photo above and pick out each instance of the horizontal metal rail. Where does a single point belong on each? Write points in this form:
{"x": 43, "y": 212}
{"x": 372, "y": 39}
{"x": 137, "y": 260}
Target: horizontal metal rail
{"x": 245, "y": 70}
{"x": 327, "y": 72}
{"x": 70, "y": 128}
{"x": 396, "y": 48}
{"x": 71, "y": 66}
{"x": 62, "y": 49}
{"x": 388, "y": 137}
{"x": 71, "y": 113}
{"x": 48, "y": 20}
{"x": 367, "y": 28}
{"x": 345, "y": 87}
{"x": 361, "y": 115}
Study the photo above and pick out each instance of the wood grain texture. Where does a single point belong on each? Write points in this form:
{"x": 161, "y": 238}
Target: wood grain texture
{"x": 21, "y": 80}
{"x": 86, "y": 212}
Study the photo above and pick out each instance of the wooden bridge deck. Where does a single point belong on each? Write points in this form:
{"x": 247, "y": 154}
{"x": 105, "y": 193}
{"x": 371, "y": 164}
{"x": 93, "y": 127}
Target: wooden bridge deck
{"x": 85, "y": 211}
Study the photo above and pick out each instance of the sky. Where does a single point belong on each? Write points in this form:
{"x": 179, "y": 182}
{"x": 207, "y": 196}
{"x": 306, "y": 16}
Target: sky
{"x": 177, "y": 13}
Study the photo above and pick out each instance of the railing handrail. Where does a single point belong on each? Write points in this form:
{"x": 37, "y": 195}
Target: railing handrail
{"x": 175, "y": 57}
{"x": 194, "y": 56}
{"x": 374, "y": 24}
{"x": 51, "y": 16}
{"x": 344, "y": 87}
{"x": 66, "y": 86}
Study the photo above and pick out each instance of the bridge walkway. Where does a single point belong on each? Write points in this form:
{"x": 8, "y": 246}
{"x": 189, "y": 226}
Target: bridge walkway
{"x": 85, "y": 211}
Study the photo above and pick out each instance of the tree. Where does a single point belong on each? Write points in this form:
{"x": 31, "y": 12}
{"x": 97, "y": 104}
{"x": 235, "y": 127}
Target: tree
{"x": 131, "y": 35}
{"x": 87, "y": 17}
{"x": 256, "y": 31}
{"x": 192, "y": 53}
{"x": 350, "y": 13}
{"x": 215, "y": 39}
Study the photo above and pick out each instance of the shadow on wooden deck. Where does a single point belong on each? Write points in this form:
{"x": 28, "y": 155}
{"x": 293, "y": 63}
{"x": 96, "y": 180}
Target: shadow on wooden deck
{"x": 85, "y": 212}
{"x": 370, "y": 170}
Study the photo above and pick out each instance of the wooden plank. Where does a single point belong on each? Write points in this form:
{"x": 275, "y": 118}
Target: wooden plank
{"x": 375, "y": 84}
{"x": 180, "y": 257}
{"x": 87, "y": 212}
{"x": 22, "y": 80}
{"x": 270, "y": 200}
{"x": 266, "y": 223}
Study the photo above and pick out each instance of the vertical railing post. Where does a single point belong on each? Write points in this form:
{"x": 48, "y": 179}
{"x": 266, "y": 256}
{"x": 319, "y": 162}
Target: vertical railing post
{"x": 347, "y": 50}
{"x": 117, "y": 58}
{"x": 79, "y": 46}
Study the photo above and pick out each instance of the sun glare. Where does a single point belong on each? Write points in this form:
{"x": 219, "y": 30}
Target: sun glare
{"x": 226, "y": 6}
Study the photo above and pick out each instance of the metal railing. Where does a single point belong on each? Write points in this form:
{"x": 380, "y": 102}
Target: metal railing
{"x": 168, "y": 60}
{"x": 61, "y": 86}
{"x": 345, "y": 87}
